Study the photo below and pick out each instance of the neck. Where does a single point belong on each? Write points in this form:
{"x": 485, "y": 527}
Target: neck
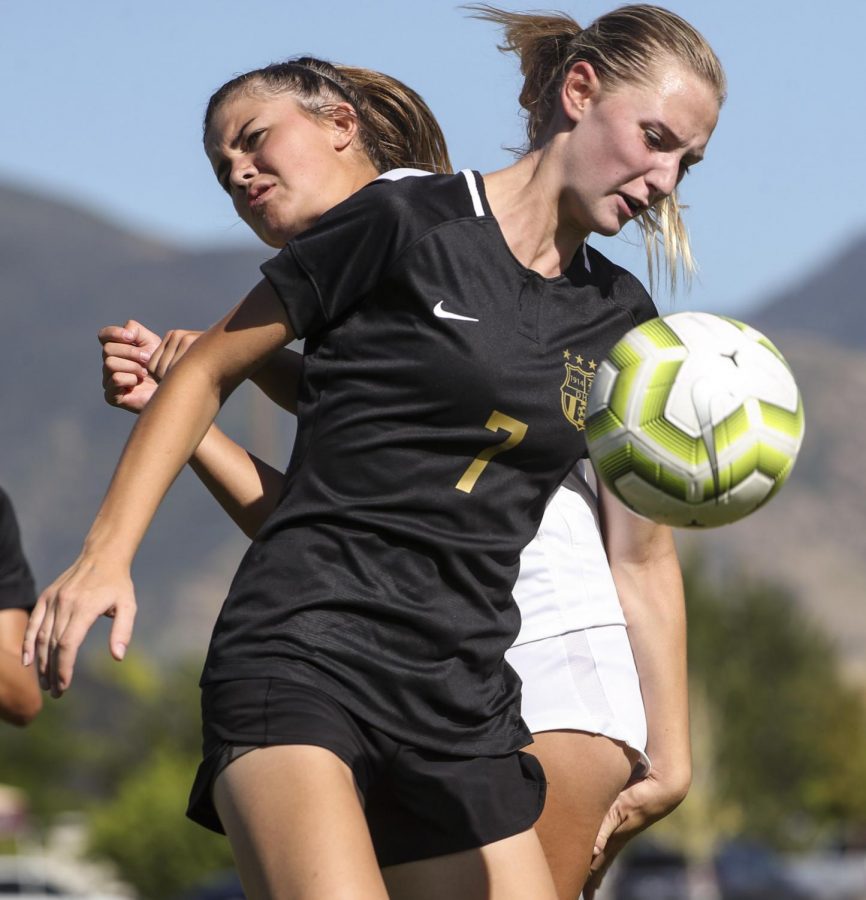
{"x": 526, "y": 199}
{"x": 363, "y": 172}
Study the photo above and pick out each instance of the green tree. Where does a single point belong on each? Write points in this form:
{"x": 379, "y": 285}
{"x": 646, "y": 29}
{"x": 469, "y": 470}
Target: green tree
{"x": 788, "y": 742}
{"x": 123, "y": 747}
{"x": 145, "y": 833}
{"x": 140, "y": 823}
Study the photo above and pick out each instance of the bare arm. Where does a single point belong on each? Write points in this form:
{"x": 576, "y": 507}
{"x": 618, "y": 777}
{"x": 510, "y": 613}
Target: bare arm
{"x": 164, "y": 437}
{"x": 20, "y": 699}
{"x": 647, "y": 574}
{"x": 280, "y": 377}
{"x": 246, "y": 487}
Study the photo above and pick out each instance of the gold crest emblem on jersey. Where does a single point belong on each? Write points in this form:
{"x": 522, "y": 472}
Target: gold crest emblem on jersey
{"x": 575, "y": 389}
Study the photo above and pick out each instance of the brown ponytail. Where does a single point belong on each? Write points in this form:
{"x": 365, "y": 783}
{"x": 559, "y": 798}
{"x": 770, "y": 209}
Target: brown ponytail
{"x": 396, "y": 127}
{"x": 623, "y": 46}
{"x": 400, "y": 131}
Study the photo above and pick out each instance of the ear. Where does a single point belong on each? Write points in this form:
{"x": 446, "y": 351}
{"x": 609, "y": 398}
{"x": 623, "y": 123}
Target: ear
{"x": 344, "y": 125}
{"x": 579, "y": 86}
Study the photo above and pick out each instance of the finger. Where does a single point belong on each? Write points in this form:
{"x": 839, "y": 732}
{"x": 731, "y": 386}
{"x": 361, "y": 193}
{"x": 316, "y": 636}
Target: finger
{"x": 125, "y": 351}
{"x": 153, "y": 362}
{"x": 121, "y": 630}
{"x": 120, "y": 383}
{"x": 611, "y": 821}
{"x": 169, "y": 352}
{"x": 165, "y": 360}
{"x": 116, "y": 333}
{"x": 143, "y": 336}
{"x": 118, "y": 364}
{"x": 69, "y": 633}
{"x": 28, "y": 645}
{"x": 43, "y": 645}
{"x": 178, "y": 345}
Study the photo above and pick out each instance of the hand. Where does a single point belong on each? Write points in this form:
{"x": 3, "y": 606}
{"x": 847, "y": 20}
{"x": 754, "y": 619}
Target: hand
{"x": 65, "y": 611}
{"x": 172, "y": 348}
{"x": 126, "y": 350}
{"x": 638, "y": 805}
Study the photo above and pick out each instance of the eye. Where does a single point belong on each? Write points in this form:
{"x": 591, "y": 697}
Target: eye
{"x": 254, "y": 138}
{"x": 653, "y": 139}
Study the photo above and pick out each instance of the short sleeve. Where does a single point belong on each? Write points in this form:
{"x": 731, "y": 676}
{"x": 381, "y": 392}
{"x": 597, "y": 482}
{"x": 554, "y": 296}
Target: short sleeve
{"x": 321, "y": 274}
{"x": 17, "y": 590}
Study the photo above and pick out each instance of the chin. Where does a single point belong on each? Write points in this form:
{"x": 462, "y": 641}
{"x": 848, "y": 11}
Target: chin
{"x": 277, "y": 237}
{"x": 609, "y": 229}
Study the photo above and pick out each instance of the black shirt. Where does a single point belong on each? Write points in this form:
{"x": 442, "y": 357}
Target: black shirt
{"x": 17, "y": 590}
{"x": 442, "y": 402}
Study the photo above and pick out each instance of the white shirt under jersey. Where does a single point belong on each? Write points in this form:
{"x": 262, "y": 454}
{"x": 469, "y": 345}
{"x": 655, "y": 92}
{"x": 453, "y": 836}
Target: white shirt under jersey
{"x": 565, "y": 583}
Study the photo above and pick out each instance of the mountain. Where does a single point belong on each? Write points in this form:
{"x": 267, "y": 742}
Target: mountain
{"x": 827, "y": 303}
{"x": 65, "y": 272}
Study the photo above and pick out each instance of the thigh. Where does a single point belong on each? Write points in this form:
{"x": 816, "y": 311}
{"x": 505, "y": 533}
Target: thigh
{"x": 296, "y": 826}
{"x": 585, "y": 773}
{"x": 511, "y": 869}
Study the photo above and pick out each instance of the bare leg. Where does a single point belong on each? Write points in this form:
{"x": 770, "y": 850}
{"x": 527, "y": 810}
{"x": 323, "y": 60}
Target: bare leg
{"x": 585, "y": 773}
{"x": 510, "y": 869}
{"x": 296, "y": 826}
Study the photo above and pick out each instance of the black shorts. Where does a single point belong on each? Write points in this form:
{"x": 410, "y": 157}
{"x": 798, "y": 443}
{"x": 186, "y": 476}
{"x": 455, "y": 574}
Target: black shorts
{"x": 419, "y": 804}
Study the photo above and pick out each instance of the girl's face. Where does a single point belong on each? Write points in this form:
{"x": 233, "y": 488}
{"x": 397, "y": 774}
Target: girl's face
{"x": 632, "y": 145}
{"x": 282, "y": 166}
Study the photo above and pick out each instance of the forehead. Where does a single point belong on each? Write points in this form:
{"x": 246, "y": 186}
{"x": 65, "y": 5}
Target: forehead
{"x": 238, "y": 110}
{"x": 683, "y": 100}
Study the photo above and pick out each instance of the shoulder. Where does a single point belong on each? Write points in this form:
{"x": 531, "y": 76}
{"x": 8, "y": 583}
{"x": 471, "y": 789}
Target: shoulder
{"x": 401, "y": 203}
{"x": 423, "y": 195}
{"x": 619, "y": 285}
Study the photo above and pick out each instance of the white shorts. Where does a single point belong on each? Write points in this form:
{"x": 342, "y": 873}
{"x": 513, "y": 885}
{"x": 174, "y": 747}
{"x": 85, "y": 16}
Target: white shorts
{"x": 584, "y": 681}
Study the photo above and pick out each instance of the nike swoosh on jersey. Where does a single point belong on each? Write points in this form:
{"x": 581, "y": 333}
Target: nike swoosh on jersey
{"x": 440, "y": 312}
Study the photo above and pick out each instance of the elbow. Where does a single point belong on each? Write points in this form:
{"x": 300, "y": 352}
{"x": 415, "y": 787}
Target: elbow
{"x": 678, "y": 787}
{"x": 681, "y": 789}
{"x": 23, "y": 710}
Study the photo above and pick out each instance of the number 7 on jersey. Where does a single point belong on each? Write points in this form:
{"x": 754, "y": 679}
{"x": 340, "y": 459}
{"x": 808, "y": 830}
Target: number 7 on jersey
{"x": 497, "y": 422}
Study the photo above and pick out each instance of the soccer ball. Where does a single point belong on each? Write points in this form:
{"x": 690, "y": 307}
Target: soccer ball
{"x": 694, "y": 420}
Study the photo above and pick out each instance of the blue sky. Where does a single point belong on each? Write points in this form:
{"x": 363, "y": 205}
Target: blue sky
{"x": 102, "y": 102}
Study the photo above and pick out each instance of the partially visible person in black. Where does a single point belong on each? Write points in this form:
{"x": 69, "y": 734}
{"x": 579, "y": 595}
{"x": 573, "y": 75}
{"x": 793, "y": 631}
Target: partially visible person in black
{"x": 20, "y": 698}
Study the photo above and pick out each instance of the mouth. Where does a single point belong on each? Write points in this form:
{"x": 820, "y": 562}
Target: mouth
{"x": 258, "y": 195}
{"x": 634, "y": 207}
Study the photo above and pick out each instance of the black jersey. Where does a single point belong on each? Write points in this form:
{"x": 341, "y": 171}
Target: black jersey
{"x": 442, "y": 402}
{"x": 17, "y": 590}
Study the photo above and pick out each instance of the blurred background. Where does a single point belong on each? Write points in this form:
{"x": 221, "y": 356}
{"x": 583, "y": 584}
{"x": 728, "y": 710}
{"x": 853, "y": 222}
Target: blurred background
{"x": 109, "y": 210}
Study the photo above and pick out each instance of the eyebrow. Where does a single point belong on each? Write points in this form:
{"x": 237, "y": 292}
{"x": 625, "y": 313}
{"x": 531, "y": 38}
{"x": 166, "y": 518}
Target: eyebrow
{"x": 239, "y": 136}
{"x": 691, "y": 159}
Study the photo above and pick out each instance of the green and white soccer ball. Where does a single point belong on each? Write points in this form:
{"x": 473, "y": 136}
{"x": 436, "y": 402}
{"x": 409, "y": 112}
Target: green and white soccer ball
{"x": 694, "y": 420}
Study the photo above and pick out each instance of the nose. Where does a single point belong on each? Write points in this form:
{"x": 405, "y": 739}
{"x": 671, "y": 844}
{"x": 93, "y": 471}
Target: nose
{"x": 664, "y": 179}
{"x": 242, "y": 171}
